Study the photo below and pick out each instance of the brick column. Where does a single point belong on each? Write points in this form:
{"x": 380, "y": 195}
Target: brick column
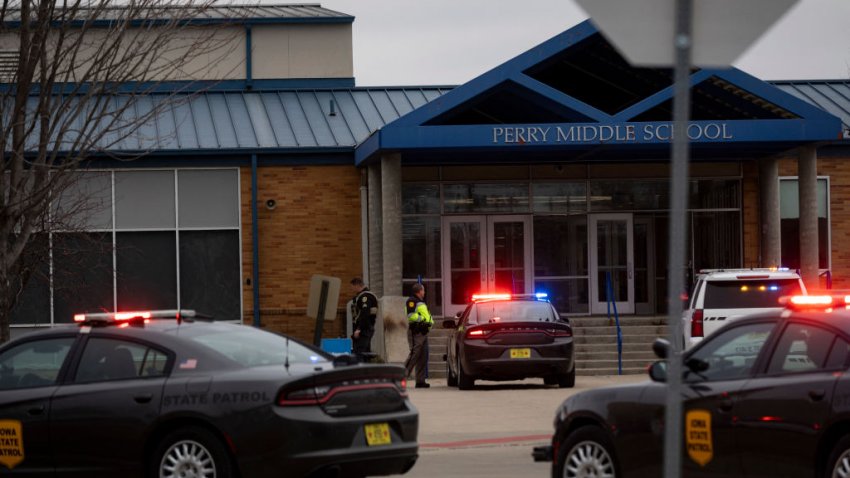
{"x": 771, "y": 247}
{"x": 376, "y": 255}
{"x": 391, "y": 223}
{"x": 807, "y": 172}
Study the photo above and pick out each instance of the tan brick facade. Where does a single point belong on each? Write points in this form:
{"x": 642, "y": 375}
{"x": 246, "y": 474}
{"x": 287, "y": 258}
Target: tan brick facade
{"x": 314, "y": 229}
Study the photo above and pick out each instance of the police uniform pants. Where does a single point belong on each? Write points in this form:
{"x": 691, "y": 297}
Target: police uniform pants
{"x": 362, "y": 344}
{"x": 418, "y": 357}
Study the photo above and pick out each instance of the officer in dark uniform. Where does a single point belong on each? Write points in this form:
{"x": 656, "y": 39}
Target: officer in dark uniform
{"x": 364, "y": 312}
{"x": 419, "y": 322}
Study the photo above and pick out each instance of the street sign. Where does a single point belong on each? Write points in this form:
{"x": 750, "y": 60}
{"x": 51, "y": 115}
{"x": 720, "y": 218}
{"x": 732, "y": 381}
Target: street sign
{"x": 643, "y": 30}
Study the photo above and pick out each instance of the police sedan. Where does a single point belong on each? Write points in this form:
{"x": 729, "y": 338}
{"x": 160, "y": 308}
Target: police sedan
{"x": 509, "y": 337}
{"x": 764, "y": 396}
{"x": 162, "y": 394}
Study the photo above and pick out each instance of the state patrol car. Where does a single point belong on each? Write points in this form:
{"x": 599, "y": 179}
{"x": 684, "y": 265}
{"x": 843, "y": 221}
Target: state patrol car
{"x": 766, "y": 395}
{"x": 162, "y": 394}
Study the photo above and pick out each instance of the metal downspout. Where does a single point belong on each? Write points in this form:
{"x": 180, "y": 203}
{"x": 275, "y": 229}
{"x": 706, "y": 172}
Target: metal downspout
{"x": 249, "y": 74}
{"x": 255, "y": 242}
{"x": 364, "y": 224}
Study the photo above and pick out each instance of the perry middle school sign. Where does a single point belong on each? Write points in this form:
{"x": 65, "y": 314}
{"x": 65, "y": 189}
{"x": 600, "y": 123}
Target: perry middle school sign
{"x": 596, "y": 134}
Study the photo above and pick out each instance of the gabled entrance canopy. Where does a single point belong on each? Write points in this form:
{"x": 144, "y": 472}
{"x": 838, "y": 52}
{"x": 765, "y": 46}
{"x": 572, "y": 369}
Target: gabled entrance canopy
{"x": 575, "y": 98}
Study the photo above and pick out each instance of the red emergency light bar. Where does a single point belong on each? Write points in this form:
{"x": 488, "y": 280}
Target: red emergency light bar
{"x": 477, "y": 297}
{"x": 818, "y": 302}
{"x": 146, "y": 315}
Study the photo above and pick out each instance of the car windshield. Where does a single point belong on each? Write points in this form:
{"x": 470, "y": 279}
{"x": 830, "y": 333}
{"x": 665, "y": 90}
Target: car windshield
{"x": 511, "y": 311}
{"x": 748, "y": 294}
{"x": 251, "y": 347}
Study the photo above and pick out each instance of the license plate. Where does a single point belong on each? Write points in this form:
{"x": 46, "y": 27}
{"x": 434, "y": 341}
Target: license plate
{"x": 520, "y": 353}
{"x": 378, "y": 434}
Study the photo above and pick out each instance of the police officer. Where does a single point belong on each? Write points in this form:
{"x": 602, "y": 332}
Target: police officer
{"x": 364, "y": 311}
{"x": 419, "y": 323}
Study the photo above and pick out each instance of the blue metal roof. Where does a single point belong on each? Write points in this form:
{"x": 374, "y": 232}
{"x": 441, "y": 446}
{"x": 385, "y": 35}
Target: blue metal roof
{"x": 284, "y": 120}
{"x": 829, "y": 95}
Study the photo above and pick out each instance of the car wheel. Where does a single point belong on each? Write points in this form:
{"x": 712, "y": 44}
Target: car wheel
{"x": 567, "y": 380}
{"x": 550, "y": 380}
{"x": 451, "y": 379}
{"x": 191, "y": 451}
{"x": 587, "y": 452}
{"x": 839, "y": 460}
{"x": 464, "y": 381}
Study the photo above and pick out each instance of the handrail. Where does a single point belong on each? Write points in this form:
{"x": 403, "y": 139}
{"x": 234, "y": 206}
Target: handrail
{"x": 609, "y": 299}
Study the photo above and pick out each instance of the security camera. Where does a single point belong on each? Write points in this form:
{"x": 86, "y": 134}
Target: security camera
{"x": 271, "y": 204}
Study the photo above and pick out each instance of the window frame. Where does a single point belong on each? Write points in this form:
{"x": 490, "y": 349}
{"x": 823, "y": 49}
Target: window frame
{"x": 67, "y": 361}
{"x": 828, "y": 215}
{"x": 74, "y": 368}
{"x": 764, "y": 370}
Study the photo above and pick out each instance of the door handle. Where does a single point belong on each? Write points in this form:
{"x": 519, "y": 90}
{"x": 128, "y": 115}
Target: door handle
{"x": 817, "y": 394}
{"x": 143, "y": 397}
{"x": 725, "y": 405}
{"x": 37, "y": 410}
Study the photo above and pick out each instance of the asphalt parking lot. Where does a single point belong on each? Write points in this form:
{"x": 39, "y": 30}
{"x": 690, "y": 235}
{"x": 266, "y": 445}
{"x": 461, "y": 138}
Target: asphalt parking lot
{"x": 491, "y": 430}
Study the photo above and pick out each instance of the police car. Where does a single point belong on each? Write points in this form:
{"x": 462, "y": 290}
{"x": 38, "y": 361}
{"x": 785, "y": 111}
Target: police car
{"x": 509, "y": 337}
{"x": 766, "y": 395}
{"x": 723, "y": 295}
{"x": 165, "y": 394}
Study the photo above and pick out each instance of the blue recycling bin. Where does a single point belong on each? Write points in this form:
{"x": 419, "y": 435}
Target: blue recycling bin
{"x": 336, "y": 346}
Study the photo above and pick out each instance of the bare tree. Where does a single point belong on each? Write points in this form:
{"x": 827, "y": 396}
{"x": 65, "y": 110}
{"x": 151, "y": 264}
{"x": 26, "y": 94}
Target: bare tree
{"x": 72, "y": 92}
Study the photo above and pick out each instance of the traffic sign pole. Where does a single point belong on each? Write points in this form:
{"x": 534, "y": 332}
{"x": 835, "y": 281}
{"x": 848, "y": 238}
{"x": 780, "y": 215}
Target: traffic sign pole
{"x": 682, "y": 42}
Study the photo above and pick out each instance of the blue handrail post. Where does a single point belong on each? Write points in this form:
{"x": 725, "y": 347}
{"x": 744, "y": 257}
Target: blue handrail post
{"x": 609, "y": 293}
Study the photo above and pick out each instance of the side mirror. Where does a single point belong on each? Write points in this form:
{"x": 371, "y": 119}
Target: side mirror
{"x": 449, "y": 324}
{"x": 661, "y": 347}
{"x": 658, "y": 371}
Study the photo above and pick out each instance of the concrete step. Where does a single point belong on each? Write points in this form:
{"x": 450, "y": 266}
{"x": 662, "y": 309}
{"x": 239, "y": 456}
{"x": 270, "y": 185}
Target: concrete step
{"x": 624, "y": 321}
{"x": 612, "y": 371}
{"x": 591, "y": 364}
{"x": 630, "y": 330}
{"x": 588, "y": 356}
{"x": 612, "y": 347}
{"x": 612, "y": 339}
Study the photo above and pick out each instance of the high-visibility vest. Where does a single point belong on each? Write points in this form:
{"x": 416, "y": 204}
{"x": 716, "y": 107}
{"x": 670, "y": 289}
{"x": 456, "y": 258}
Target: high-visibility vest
{"x": 417, "y": 312}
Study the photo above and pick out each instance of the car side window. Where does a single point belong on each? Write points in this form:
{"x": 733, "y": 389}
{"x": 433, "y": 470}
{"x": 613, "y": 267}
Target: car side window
{"x": 801, "y": 348}
{"x": 33, "y": 364}
{"x": 695, "y": 294}
{"x": 839, "y": 355}
{"x": 112, "y": 359}
{"x": 730, "y": 354}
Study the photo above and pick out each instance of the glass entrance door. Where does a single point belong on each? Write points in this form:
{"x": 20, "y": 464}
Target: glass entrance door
{"x": 612, "y": 256}
{"x": 485, "y": 254}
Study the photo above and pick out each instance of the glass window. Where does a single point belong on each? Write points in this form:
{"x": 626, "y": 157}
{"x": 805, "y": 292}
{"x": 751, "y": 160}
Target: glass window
{"x": 839, "y": 355}
{"x": 110, "y": 359}
{"x": 560, "y": 246}
{"x": 33, "y": 364}
{"x": 482, "y": 198}
{"x": 420, "y": 199}
{"x": 801, "y": 348}
{"x": 569, "y": 296}
{"x": 730, "y": 354}
{"x": 146, "y": 270}
{"x": 716, "y": 239}
{"x": 209, "y": 273}
{"x": 420, "y": 247}
{"x": 560, "y": 198}
{"x": 512, "y": 311}
{"x": 629, "y": 195}
{"x": 433, "y": 294}
{"x": 33, "y": 302}
{"x": 789, "y": 211}
{"x": 82, "y": 274}
{"x": 252, "y": 347}
{"x": 144, "y": 200}
{"x": 715, "y": 194}
{"x": 86, "y": 203}
{"x": 748, "y": 294}
{"x": 208, "y": 198}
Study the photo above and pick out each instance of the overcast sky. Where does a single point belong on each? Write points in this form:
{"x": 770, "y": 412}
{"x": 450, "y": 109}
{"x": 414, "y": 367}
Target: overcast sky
{"x": 449, "y": 42}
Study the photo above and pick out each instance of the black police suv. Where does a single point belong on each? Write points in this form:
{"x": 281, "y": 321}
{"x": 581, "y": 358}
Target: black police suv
{"x": 162, "y": 395}
{"x": 767, "y": 395}
{"x": 509, "y": 337}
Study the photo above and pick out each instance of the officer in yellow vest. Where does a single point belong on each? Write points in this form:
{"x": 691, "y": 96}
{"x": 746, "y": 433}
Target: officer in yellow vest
{"x": 419, "y": 323}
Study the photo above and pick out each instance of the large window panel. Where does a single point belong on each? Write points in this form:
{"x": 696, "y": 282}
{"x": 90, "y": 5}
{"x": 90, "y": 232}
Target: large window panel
{"x": 82, "y": 274}
{"x": 715, "y": 194}
{"x": 146, "y": 270}
{"x": 144, "y": 200}
{"x": 86, "y": 203}
{"x": 486, "y": 198}
{"x": 789, "y": 211}
{"x": 208, "y": 198}
{"x": 716, "y": 240}
{"x": 33, "y": 303}
{"x": 629, "y": 195}
{"x": 420, "y": 199}
{"x": 209, "y": 273}
{"x": 569, "y": 296}
{"x": 560, "y": 246}
{"x": 560, "y": 198}
{"x": 421, "y": 247}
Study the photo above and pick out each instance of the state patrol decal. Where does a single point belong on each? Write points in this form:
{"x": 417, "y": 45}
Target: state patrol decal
{"x": 698, "y": 436}
{"x": 11, "y": 443}
{"x": 409, "y": 304}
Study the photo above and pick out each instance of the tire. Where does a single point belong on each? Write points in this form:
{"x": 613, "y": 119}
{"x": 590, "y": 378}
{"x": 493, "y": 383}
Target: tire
{"x": 464, "y": 381}
{"x": 192, "y": 449}
{"x": 839, "y": 460}
{"x": 451, "y": 379}
{"x": 567, "y": 380}
{"x": 588, "y": 452}
{"x": 550, "y": 380}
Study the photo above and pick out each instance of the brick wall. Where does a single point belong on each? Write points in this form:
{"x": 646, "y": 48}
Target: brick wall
{"x": 315, "y": 229}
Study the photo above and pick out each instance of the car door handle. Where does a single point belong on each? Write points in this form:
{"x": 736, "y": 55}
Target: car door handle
{"x": 38, "y": 410}
{"x": 725, "y": 405}
{"x": 143, "y": 397}
{"x": 817, "y": 394}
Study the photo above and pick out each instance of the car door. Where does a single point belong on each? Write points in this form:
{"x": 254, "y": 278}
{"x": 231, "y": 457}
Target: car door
{"x": 100, "y": 417}
{"x": 781, "y": 412}
{"x": 456, "y": 339}
{"x": 29, "y": 374}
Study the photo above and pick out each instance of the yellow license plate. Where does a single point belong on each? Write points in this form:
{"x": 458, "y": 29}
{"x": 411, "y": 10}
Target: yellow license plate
{"x": 520, "y": 353}
{"x": 378, "y": 434}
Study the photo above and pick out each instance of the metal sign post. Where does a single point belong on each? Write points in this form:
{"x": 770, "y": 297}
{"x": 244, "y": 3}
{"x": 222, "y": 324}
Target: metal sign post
{"x": 322, "y": 299}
